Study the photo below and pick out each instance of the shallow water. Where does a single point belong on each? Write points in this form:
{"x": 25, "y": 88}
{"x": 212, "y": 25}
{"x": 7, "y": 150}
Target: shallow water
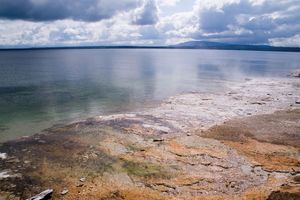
{"x": 40, "y": 88}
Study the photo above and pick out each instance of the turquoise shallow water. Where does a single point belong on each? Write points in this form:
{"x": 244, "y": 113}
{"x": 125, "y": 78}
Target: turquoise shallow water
{"x": 41, "y": 88}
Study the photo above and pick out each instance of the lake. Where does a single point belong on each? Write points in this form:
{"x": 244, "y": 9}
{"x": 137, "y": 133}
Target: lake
{"x": 42, "y": 88}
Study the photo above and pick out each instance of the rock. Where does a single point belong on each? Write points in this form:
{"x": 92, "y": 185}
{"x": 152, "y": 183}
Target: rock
{"x": 3, "y": 156}
{"x": 64, "y": 192}
{"x": 297, "y": 102}
{"x": 258, "y": 103}
{"x": 42, "y": 141}
{"x": 296, "y": 73}
{"x": 82, "y": 179}
{"x": 158, "y": 140}
{"x": 79, "y": 184}
{"x": 9, "y": 174}
{"x": 13, "y": 160}
{"x": 4, "y": 174}
{"x": 43, "y": 195}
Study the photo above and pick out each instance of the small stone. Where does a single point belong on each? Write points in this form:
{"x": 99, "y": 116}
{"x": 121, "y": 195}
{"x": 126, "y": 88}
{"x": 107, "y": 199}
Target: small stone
{"x": 13, "y": 160}
{"x": 26, "y": 161}
{"x": 79, "y": 184}
{"x": 3, "y": 156}
{"x": 258, "y": 103}
{"x": 297, "y": 102}
{"x": 296, "y": 74}
{"x": 158, "y": 140}
{"x": 64, "y": 192}
{"x": 42, "y": 141}
{"x": 82, "y": 179}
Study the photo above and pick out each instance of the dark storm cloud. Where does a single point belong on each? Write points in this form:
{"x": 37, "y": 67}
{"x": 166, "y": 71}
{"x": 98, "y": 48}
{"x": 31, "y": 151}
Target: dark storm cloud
{"x": 147, "y": 15}
{"x": 48, "y": 10}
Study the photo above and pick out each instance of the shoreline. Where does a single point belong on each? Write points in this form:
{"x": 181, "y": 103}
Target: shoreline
{"x": 175, "y": 149}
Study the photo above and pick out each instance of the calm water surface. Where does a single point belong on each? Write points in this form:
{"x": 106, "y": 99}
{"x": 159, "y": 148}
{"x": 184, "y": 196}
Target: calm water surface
{"x": 41, "y": 88}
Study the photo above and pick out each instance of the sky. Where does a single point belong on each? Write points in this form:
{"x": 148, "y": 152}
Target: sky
{"x": 148, "y": 22}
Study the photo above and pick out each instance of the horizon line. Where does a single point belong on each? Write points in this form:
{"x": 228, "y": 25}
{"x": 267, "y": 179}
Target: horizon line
{"x": 227, "y": 46}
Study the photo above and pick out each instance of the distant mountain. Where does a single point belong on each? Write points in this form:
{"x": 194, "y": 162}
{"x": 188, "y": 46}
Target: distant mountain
{"x": 185, "y": 45}
{"x": 225, "y": 46}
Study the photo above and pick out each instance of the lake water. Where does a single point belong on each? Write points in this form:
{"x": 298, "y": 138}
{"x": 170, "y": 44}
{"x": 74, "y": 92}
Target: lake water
{"x": 41, "y": 88}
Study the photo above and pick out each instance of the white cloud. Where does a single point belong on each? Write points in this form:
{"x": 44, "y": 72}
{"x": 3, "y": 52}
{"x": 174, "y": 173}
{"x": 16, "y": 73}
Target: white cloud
{"x": 290, "y": 41}
{"x": 236, "y": 21}
{"x": 147, "y": 14}
{"x": 166, "y": 3}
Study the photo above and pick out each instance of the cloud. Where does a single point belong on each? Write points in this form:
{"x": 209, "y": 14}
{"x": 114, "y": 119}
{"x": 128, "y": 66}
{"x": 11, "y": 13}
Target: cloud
{"x": 246, "y": 21}
{"x": 107, "y": 22}
{"x": 147, "y": 14}
{"x": 48, "y": 10}
{"x": 163, "y": 3}
{"x": 290, "y": 41}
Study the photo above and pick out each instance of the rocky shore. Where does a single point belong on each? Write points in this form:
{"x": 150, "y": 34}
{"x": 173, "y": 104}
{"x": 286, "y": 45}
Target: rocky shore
{"x": 242, "y": 143}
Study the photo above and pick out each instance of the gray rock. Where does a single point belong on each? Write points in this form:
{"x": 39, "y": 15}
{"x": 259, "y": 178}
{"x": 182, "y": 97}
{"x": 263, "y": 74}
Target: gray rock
{"x": 3, "y": 156}
{"x": 64, "y": 192}
{"x": 82, "y": 179}
{"x": 189, "y": 134}
{"x": 79, "y": 184}
{"x": 296, "y": 73}
{"x": 43, "y": 195}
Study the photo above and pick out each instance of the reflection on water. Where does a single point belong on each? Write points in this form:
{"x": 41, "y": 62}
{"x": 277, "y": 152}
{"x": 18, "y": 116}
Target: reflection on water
{"x": 44, "y": 87}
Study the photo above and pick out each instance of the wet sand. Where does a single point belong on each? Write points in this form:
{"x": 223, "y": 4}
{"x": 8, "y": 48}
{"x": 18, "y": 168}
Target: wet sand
{"x": 243, "y": 143}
